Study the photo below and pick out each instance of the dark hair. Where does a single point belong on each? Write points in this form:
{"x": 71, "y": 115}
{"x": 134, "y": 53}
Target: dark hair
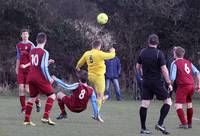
{"x": 82, "y": 76}
{"x": 24, "y": 30}
{"x": 180, "y": 52}
{"x": 96, "y": 44}
{"x": 41, "y": 38}
{"x": 153, "y": 39}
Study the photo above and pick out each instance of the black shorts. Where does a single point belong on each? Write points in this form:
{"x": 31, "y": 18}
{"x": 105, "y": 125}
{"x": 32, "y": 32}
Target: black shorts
{"x": 154, "y": 87}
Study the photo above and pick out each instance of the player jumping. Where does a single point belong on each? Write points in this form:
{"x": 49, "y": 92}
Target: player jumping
{"x": 96, "y": 68}
{"x": 40, "y": 80}
{"x": 182, "y": 72}
{"x": 78, "y": 100}
{"x": 22, "y": 68}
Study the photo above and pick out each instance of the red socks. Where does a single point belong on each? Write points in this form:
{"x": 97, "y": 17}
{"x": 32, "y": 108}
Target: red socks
{"x": 48, "y": 106}
{"x": 62, "y": 106}
{"x": 29, "y": 107}
{"x": 181, "y": 116}
{"x": 23, "y": 102}
{"x": 189, "y": 115}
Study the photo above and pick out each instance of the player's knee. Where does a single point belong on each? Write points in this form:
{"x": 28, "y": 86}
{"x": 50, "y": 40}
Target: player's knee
{"x": 100, "y": 95}
{"x": 21, "y": 89}
{"x": 145, "y": 103}
{"x": 53, "y": 96}
{"x": 26, "y": 88}
{"x": 60, "y": 95}
{"x": 178, "y": 106}
{"x": 168, "y": 101}
{"x": 22, "y": 92}
{"x": 189, "y": 105}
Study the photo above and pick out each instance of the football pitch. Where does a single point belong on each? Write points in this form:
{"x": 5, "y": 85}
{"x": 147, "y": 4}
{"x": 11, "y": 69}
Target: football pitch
{"x": 121, "y": 119}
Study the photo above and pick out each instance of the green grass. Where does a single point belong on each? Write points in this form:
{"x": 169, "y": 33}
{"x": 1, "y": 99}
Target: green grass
{"x": 121, "y": 119}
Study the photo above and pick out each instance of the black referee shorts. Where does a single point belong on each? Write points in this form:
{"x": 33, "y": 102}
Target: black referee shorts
{"x": 154, "y": 87}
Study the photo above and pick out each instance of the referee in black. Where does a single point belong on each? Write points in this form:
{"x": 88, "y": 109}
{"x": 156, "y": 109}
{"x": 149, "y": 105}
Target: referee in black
{"x": 152, "y": 64}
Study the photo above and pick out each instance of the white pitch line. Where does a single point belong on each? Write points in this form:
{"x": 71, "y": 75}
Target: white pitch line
{"x": 197, "y": 119}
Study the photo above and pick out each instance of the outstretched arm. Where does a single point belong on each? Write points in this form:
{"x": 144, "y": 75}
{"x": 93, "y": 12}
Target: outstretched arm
{"x": 109, "y": 55}
{"x": 66, "y": 86}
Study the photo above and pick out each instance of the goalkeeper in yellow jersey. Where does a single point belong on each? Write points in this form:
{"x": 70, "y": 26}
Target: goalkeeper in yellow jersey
{"x": 96, "y": 68}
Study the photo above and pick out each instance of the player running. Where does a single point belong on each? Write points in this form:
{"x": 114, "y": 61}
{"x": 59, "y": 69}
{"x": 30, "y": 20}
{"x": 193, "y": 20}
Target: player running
{"x": 40, "y": 80}
{"x": 78, "y": 100}
{"x": 22, "y": 68}
{"x": 96, "y": 68}
{"x": 182, "y": 72}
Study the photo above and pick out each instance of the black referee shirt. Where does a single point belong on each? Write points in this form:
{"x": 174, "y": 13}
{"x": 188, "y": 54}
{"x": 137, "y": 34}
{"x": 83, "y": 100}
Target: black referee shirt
{"x": 151, "y": 60}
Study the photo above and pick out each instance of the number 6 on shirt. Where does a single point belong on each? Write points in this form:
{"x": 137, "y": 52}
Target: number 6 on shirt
{"x": 187, "y": 69}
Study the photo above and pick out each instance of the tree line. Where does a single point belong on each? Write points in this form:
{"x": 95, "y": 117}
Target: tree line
{"x": 71, "y": 27}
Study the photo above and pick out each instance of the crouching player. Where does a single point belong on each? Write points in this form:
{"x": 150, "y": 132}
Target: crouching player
{"x": 182, "y": 72}
{"x": 40, "y": 81}
{"x": 81, "y": 93}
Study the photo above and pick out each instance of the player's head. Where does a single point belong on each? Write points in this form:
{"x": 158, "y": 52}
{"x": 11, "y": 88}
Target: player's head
{"x": 96, "y": 44}
{"x": 24, "y": 34}
{"x": 82, "y": 76}
{"x": 153, "y": 40}
{"x": 41, "y": 38}
{"x": 179, "y": 52}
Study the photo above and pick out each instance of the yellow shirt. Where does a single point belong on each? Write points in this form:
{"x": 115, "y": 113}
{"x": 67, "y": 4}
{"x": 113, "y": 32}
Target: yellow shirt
{"x": 95, "y": 60}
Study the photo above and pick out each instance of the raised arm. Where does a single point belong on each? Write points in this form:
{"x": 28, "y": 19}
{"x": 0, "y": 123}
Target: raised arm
{"x": 110, "y": 55}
